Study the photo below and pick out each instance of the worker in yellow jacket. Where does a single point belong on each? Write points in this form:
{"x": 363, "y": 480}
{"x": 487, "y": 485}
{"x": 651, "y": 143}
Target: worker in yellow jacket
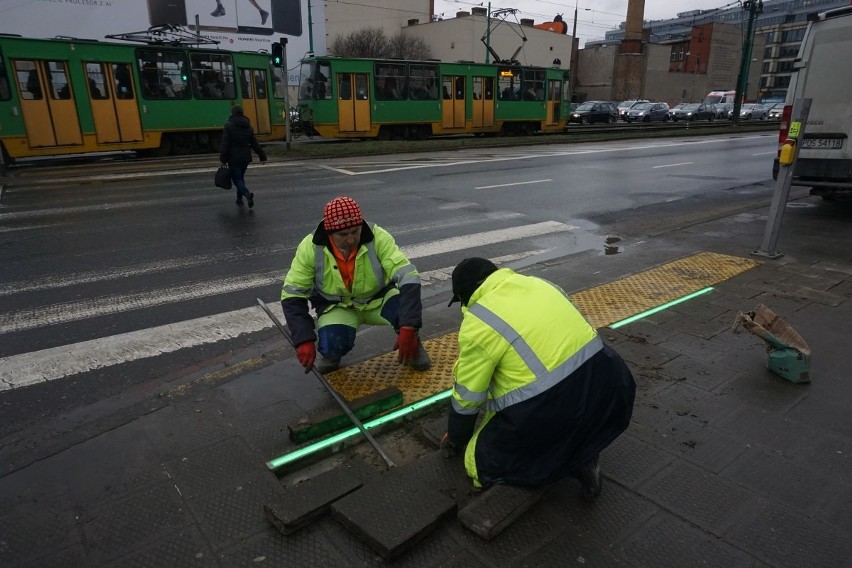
{"x": 553, "y": 394}
{"x": 352, "y": 273}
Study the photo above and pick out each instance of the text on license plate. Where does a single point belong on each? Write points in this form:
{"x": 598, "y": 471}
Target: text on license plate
{"x": 823, "y": 143}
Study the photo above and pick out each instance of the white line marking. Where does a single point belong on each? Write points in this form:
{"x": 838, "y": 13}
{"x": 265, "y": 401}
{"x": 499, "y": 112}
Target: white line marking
{"x": 672, "y": 165}
{"x": 57, "y": 362}
{"x": 54, "y": 314}
{"x": 511, "y": 184}
{"x": 773, "y": 152}
{"x": 542, "y": 154}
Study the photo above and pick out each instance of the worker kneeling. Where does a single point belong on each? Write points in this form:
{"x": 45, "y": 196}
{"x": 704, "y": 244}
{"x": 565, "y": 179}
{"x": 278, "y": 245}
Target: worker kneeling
{"x": 352, "y": 273}
{"x": 554, "y": 395}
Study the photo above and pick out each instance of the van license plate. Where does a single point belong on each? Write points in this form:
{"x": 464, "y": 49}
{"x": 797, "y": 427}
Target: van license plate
{"x": 823, "y": 143}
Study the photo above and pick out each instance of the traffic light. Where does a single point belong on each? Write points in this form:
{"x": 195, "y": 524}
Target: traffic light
{"x": 277, "y": 55}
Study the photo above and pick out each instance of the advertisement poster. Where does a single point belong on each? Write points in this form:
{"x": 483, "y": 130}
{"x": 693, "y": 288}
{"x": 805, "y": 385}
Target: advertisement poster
{"x": 238, "y": 25}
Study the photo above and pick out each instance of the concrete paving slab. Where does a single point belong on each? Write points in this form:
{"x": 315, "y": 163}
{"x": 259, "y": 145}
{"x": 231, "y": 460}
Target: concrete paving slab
{"x": 312, "y": 498}
{"x": 392, "y": 519}
{"x": 499, "y": 506}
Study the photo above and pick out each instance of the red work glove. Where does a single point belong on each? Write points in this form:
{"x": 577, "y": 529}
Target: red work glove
{"x": 306, "y": 353}
{"x": 406, "y": 342}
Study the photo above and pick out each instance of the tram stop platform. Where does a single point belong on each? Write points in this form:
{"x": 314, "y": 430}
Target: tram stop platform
{"x": 725, "y": 463}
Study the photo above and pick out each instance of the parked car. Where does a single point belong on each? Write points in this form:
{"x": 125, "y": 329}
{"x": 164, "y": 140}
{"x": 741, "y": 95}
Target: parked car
{"x": 694, "y": 111}
{"x": 594, "y": 111}
{"x": 648, "y": 112}
{"x": 724, "y": 110}
{"x": 676, "y": 107}
{"x": 753, "y": 111}
{"x": 775, "y": 111}
{"x": 625, "y": 106}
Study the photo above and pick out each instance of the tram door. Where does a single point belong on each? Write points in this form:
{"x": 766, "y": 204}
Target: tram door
{"x": 554, "y": 98}
{"x": 452, "y": 109}
{"x": 256, "y": 99}
{"x": 47, "y": 103}
{"x": 113, "y": 101}
{"x": 353, "y": 102}
{"x": 483, "y": 102}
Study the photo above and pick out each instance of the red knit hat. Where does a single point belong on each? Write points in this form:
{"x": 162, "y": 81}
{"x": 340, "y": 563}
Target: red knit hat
{"x": 341, "y": 213}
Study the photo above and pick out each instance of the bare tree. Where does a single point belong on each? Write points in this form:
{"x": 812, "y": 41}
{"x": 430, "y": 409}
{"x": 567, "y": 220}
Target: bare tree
{"x": 407, "y": 46}
{"x": 372, "y": 42}
{"x": 365, "y": 42}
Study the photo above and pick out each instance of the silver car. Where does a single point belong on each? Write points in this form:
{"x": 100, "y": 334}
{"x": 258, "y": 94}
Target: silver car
{"x": 753, "y": 111}
{"x": 775, "y": 112}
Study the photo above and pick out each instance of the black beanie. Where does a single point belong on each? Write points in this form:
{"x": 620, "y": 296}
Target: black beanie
{"x": 467, "y": 277}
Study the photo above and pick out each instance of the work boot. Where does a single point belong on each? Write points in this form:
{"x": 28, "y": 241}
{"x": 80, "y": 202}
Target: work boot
{"x": 590, "y": 476}
{"x": 251, "y": 200}
{"x": 219, "y": 11}
{"x": 422, "y": 361}
{"x": 325, "y": 365}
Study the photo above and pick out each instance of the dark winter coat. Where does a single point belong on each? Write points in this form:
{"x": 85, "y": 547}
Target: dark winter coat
{"x": 238, "y": 141}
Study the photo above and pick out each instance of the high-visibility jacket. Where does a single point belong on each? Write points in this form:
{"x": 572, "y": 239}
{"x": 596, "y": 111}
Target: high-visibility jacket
{"x": 553, "y": 394}
{"x": 380, "y": 265}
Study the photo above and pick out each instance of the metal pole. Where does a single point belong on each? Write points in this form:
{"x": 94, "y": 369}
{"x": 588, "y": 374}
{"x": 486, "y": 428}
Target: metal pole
{"x": 798, "y": 120}
{"x": 287, "y": 133}
{"x": 310, "y": 30}
{"x": 488, "y": 36}
{"x": 754, "y": 8}
{"x": 335, "y": 395}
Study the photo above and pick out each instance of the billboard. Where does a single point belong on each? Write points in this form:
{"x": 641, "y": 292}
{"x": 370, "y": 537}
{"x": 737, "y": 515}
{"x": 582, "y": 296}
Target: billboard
{"x": 238, "y": 25}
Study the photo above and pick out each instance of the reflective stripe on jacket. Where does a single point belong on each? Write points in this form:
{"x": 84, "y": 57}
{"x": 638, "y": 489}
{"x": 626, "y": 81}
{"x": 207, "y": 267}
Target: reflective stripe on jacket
{"x": 519, "y": 337}
{"x": 314, "y": 277}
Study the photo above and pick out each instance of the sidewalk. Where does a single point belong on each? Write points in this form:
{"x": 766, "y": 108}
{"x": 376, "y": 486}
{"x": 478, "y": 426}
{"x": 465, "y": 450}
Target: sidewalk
{"x": 725, "y": 464}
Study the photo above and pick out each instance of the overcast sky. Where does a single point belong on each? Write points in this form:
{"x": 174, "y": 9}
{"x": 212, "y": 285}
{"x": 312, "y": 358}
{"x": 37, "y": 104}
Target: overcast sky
{"x": 594, "y": 17}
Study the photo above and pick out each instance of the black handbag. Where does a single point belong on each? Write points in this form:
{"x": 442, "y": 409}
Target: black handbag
{"x": 223, "y": 177}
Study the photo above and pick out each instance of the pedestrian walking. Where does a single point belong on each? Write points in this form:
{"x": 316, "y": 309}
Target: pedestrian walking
{"x": 352, "y": 273}
{"x": 238, "y": 141}
{"x": 553, "y": 394}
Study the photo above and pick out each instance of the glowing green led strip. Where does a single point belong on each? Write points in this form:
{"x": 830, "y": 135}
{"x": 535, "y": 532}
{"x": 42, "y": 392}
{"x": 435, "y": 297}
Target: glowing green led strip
{"x": 647, "y": 313}
{"x": 352, "y": 432}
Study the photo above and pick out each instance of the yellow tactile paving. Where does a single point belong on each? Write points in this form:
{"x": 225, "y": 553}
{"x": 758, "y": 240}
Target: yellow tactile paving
{"x": 614, "y": 301}
{"x": 602, "y": 305}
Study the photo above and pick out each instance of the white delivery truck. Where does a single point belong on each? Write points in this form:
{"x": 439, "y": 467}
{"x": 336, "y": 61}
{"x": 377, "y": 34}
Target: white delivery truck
{"x": 822, "y": 73}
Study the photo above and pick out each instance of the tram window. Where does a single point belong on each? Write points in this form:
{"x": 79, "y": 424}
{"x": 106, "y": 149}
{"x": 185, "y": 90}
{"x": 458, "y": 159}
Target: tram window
{"x": 123, "y": 81}
{"x": 279, "y": 82}
{"x": 29, "y": 84}
{"x": 361, "y": 92}
{"x": 533, "y": 80}
{"x": 5, "y": 91}
{"x": 58, "y": 73}
{"x": 344, "y": 87}
{"x": 323, "y": 90}
{"x": 97, "y": 81}
{"x": 245, "y": 84}
{"x": 306, "y": 83}
{"x": 212, "y": 75}
{"x": 556, "y": 93}
{"x": 260, "y": 85}
{"x": 390, "y": 81}
{"x": 477, "y": 88}
{"x": 489, "y": 88}
{"x": 423, "y": 82}
{"x": 509, "y": 86}
{"x": 447, "y": 88}
{"x": 163, "y": 74}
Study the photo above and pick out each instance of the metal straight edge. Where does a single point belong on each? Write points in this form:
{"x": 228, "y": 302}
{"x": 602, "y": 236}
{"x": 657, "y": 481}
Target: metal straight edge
{"x": 334, "y": 394}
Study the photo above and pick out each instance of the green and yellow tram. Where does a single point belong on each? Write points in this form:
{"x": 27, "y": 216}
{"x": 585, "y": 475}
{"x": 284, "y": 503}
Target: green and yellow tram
{"x": 367, "y": 98}
{"x": 69, "y": 96}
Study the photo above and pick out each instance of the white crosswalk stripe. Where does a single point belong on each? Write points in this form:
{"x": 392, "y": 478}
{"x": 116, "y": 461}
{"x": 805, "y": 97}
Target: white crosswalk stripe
{"x": 57, "y": 362}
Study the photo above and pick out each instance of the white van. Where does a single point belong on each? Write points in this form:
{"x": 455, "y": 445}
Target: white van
{"x": 824, "y": 162}
{"x": 720, "y": 97}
